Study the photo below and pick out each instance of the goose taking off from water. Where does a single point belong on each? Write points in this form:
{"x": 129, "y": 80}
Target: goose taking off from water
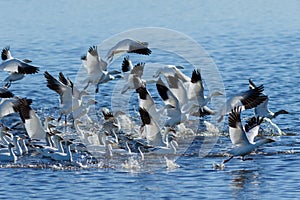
{"x": 31, "y": 120}
{"x": 67, "y": 102}
{"x": 129, "y": 46}
{"x": 172, "y": 105}
{"x": 154, "y": 135}
{"x": 6, "y": 103}
{"x": 248, "y": 99}
{"x": 146, "y": 101}
{"x": 132, "y": 74}
{"x": 195, "y": 93}
{"x": 17, "y": 68}
{"x": 262, "y": 109}
{"x": 243, "y": 144}
{"x": 96, "y": 69}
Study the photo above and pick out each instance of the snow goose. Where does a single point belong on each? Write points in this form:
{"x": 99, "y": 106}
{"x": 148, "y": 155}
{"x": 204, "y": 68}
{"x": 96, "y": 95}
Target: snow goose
{"x": 76, "y": 93}
{"x": 10, "y": 156}
{"x": 60, "y": 156}
{"x": 155, "y": 138}
{"x": 17, "y": 68}
{"x": 169, "y": 148}
{"x": 242, "y": 146}
{"x": 111, "y": 124}
{"x": 151, "y": 129}
{"x": 67, "y": 102}
{"x": 177, "y": 88}
{"x": 19, "y": 150}
{"x": 172, "y": 107}
{"x": 262, "y": 109}
{"x": 47, "y": 151}
{"x": 132, "y": 74}
{"x": 96, "y": 69}
{"x": 248, "y": 99}
{"x": 129, "y": 46}
{"x": 5, "y": 137}
{"x": 195, "y": 93}
{"x": 146, "y": 101}
{"x": 31, "y": 120}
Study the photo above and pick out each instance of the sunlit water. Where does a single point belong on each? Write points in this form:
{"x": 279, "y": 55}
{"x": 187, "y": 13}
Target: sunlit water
{"x": 258, "y": 40}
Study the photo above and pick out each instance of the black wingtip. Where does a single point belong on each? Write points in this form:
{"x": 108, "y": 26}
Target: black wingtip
{"x": 252, "y": 122}
{"x": 142, "y": 51}
{"x": 251, "y": 84}
{"x": 204, "y": 112}
{"x": 258, "y": 100}
{"x": 23, "y": 107}
{"x": 107, "y": 114}
{"x": 93, "y": 50}
{"x": 234, "y": 117}
{"x": 4, "y": 52}
{"x": 28, "y": 70}
{"x": 5, "y": 93}
{"x": 142, "y": 91}
{"x": 196, "y": 76}
{"x": 83, "y": 57}
{"x": 145, "y": 117}
{"x": 162, "y": 89}
{"x": 126, "y": 64}
{"x": 62, "y": 78}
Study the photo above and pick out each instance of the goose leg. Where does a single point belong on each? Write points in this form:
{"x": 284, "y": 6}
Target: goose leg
{"x": 225, "y": 161}
{"x": 244, "y": 159}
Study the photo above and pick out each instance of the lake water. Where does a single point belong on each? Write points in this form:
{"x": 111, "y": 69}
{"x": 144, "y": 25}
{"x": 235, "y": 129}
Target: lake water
{"x": 245, "y": 39}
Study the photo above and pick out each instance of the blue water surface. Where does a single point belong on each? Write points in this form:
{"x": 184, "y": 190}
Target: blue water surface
{"x": 246, "y": 39}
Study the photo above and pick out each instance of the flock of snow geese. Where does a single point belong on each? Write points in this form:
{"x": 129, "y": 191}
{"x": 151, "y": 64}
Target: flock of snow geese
{"x": 183, "y": 97}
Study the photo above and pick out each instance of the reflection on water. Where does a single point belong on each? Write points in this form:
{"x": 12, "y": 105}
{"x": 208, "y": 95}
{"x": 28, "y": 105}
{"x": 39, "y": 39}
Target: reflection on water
{"x": 258, "y": 40}
{"x": 244, "y": 183}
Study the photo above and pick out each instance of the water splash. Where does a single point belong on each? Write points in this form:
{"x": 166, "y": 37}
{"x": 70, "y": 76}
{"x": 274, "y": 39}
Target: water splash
{"x": 131, "y": 164}
{"x": 171, "y": 164}
{"x": 218, "y": 166}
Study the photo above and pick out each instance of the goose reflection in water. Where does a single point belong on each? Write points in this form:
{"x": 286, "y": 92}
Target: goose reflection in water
{"x": 245, "y": 182}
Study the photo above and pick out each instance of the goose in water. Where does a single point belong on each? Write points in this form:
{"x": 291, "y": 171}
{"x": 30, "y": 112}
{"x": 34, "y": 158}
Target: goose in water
{"x": 96, "y": 69}
{"x": 154, "y": 135}
{"x": 175, "y": 114}
{"x": 8, "y": 156}
{"x": 17, "y": 68}
{"x": 19, "y": 150}
{"x": 146, "y": 101}
{"x": 248, "y": 99}
{"x": 132, "y": 74}
{"x": 5, "y": 137}
{"x": 65, "y": 91}
{"x": 128, "y": 46}
{"x": 262, "y": 109}
{"x": 169, "y": 148}
{"x": 111, "y": 126}
{"x": 47, "y": 151}
{"x": 60, "y": 156}
{"x": 243, "y": 143}
{"x": 195, "y": 93}
{"x": 31, "y": 120}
